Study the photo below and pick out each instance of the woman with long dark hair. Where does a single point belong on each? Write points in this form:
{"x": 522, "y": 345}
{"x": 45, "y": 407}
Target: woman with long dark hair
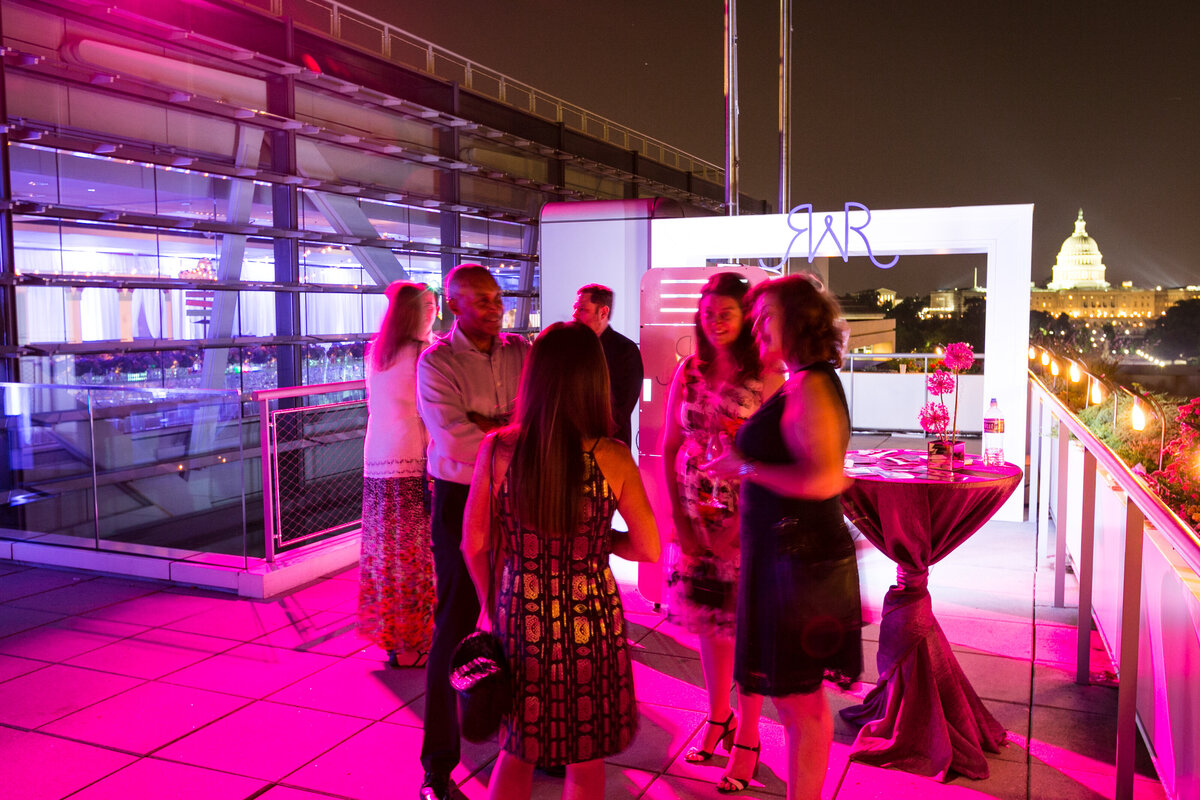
{"x": 714, "y": 391}
{"x": 542, "y": 499}
{"x": 799, "y": 615}
{"x": 396, "y": 584}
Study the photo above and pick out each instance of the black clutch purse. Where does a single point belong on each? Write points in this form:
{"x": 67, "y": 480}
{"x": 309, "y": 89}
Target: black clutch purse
{"x": 479, "y": 674}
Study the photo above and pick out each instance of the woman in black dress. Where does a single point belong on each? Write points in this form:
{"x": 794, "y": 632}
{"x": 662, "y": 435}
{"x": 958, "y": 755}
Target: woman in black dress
{"x": 799, "y": 618}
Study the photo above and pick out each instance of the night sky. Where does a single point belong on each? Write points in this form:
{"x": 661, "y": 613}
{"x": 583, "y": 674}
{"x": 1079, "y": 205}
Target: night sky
{"x": 896, "y": 105}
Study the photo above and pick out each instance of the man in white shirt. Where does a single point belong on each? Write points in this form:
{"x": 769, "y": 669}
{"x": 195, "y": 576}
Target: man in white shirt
{"x": 466, "y": 386}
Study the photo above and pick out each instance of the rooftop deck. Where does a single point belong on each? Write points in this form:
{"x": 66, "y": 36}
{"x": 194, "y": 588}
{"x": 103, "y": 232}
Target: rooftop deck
{"x": 126, "y": 689}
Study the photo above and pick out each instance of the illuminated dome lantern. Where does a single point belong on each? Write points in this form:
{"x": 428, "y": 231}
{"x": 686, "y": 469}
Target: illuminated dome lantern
{"x": 1079, "y": 264}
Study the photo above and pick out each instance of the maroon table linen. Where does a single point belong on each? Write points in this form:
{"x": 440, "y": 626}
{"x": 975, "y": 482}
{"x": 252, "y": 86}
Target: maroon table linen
{"x": 923, "y": 716}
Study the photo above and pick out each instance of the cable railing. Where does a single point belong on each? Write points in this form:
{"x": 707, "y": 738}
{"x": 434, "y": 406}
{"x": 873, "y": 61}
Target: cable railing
{"x": 352, "y": 27}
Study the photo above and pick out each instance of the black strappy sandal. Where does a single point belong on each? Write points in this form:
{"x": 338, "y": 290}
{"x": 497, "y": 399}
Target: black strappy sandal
{"x": 728, "y": 729}
{"x": 730, "y": 783}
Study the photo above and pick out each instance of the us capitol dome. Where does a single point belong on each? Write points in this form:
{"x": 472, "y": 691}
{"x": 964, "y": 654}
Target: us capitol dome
{"x": 1079, "y": 290}
{"x": 1079, "y": 264}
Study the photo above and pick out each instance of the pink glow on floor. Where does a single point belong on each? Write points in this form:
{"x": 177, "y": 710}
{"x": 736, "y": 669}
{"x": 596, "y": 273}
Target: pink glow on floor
{"x": 128, "y": 687}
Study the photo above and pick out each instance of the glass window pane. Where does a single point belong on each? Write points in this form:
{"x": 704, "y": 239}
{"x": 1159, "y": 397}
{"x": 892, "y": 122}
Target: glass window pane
{"x": 181, "y": 252}
{"x": 425, "y": 226}
{"x": 390, "y": 220}
{"x": 330, "y": 264}
{"x": 256, "y": 314}
{"x": 105, "y": 249}
{"x": 508, "y": 236}
{"x": 332, "y": 362}
{"x": 474, "y": 232}
{"x": 374, "y": 306}
{"x": 329, "y": 314}
{"x": 42, "y": 314}
{"x": 95, "y": 182}
{"x": 34, "y": 172}
{"x": 312, "y": 218}
{"x": 426, "y": 269}
{"x": 37, "y": 246}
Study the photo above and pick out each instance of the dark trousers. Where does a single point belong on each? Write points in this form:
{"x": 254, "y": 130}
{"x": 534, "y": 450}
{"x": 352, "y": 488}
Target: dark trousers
{"x": 456, "y": 615}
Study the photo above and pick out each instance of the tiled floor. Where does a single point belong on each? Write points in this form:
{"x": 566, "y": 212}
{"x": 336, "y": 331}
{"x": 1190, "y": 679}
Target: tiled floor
{"x": 113, "y": 688}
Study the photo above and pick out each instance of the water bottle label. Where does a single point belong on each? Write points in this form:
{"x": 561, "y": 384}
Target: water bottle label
{"x": 993, "y": 426}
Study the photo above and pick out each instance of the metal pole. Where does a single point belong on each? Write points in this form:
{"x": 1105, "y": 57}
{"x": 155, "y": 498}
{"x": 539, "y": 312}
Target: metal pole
{"x": 9, "y": 362}
{"x": 731, "y": 109}
{"x": 785, "y": 105}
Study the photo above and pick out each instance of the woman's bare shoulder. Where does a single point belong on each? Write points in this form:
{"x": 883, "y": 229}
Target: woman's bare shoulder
{"x": 614, "y": 458}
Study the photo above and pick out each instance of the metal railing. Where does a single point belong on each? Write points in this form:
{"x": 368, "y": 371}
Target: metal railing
{"x": 1137, "y": 564}
{"x": 311, "y": 462}
{"x": 383, "y": 39}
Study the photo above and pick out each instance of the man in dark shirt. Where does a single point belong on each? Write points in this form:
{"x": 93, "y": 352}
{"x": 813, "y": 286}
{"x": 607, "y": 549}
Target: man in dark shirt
{"x": 593, "y": 307}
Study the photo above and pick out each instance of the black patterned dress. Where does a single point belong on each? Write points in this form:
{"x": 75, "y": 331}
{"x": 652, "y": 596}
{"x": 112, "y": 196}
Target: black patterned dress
{"x": 560, "y": 617}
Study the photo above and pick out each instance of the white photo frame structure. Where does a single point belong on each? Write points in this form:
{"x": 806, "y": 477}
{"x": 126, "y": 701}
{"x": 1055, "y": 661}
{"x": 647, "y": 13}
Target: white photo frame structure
{"x": 1004, "y": 233}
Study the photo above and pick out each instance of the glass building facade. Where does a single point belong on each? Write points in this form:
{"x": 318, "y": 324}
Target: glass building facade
{"x": 213, "y": 195}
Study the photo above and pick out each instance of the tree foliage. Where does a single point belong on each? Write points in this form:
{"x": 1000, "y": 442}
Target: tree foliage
{"x": 916, "y": 335}
{"x": 1177, "y": 333}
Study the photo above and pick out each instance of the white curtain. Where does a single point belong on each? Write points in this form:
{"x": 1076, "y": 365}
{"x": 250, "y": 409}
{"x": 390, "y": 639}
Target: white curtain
{"x": 41, "y": 315}
{"x": 101, "y": 310}
{"x": 324, "y": 314}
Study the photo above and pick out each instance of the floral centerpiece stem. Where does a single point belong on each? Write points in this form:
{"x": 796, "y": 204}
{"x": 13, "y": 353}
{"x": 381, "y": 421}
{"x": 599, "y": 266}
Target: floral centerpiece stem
{"x": 959, "y": 358}
{"x": 934, "y": 416}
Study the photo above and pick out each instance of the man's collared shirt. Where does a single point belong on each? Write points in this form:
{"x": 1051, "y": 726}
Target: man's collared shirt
{"x": 454, "y": 378}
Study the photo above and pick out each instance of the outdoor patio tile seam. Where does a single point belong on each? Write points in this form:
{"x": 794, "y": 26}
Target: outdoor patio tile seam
{"x": 141, "y": 682}
{"x": 283, "y": 784}
{"x": 75, "y": 740}
{"x": 159, "y": 678}
{"x": 332, "y": 747}
{"x": 15, "y": 602}
{"x": 259, "y": 793}
{"x": 115, "y": 640}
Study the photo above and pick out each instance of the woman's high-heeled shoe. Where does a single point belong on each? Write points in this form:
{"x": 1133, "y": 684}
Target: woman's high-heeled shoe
{"x": 730, "y": 783}
{"x": 728, "y": 728}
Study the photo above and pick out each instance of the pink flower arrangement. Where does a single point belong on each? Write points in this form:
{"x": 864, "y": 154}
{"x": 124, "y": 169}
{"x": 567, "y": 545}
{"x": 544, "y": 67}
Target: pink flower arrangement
{"x": 934, "y": 416}
{"x": 959, "y": 357}
{"x": 940, "y": 382}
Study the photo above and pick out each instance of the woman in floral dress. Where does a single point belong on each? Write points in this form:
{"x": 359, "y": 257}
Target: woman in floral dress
{"x": 396, "y": 586}
{"x": 714, "y": 391}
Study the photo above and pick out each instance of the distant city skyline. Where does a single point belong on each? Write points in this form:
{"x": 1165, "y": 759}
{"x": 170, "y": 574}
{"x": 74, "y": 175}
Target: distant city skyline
{"x": 896, "y": 105}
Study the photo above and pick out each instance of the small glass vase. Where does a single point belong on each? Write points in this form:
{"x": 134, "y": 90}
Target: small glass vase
{"x": 947, "y": 455}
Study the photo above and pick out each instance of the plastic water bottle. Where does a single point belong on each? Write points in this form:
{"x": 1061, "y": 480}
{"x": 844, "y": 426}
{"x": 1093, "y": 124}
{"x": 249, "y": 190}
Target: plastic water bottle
{"x": 993, "y": 436}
